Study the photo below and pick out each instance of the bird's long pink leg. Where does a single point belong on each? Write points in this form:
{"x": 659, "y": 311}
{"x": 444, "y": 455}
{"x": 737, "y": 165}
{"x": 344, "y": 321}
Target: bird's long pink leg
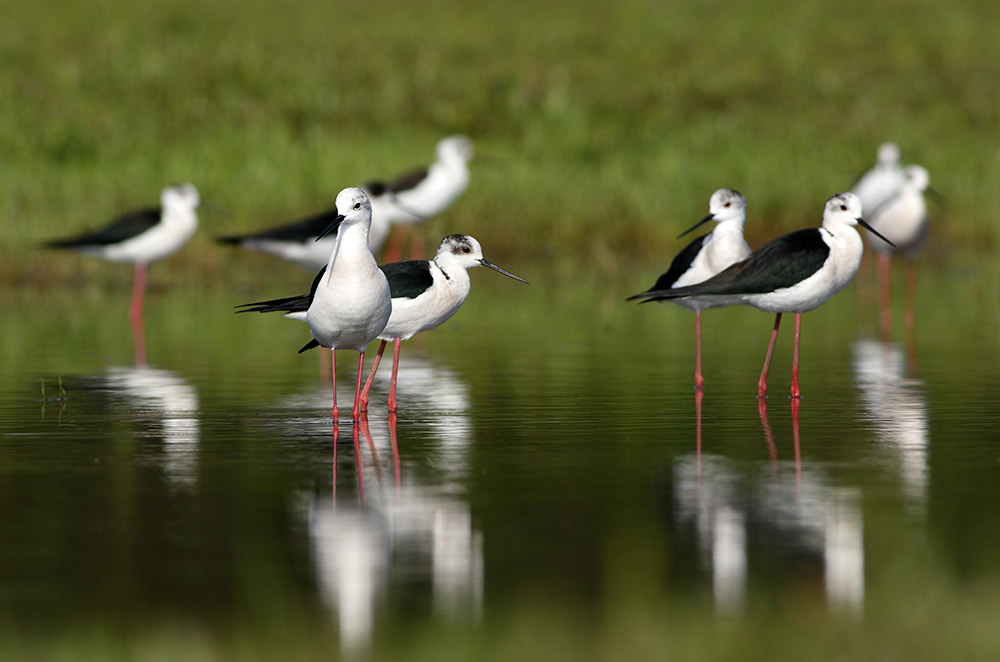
{"x": 762, "y": 383}
{"x": 395, "y": 447}
{"x": 795, "y": 357}
{"x": 395, "y": 369}
{"x": 884, "y": 275}
{"x": 356, "y": 411}
{"x": 371, "y": 377}
{"x": 333, "y": 379}
{"x": 699, "y": 381}
{"x": 910, "y": 315}
{"x": 138, "y": 292}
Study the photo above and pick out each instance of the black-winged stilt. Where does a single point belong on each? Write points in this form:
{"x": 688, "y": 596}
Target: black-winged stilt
{"x": 881, "y": 181}
{"x": 425, "y": 294}
{"x": 706, "y": 256}
{"x": 423, "y": 193}
{"x": 794, "y": 273}
{"x": 297, "y": 241}
{"x": 903, "y": 220}
{"x": 142, "y": 236}
{"x": 349, "y": 303}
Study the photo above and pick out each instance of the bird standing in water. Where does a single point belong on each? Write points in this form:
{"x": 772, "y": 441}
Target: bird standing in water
{"x": 142, "y": 236}
{"x": 425, "y": 294}
{"x": 706, "y": 256}
{"x": 794, "y": 273}
{"x": 349, "y": 303}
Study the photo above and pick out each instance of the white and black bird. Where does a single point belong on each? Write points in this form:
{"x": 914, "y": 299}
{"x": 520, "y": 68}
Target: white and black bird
{"x": 298, "y": 241}
{"x": 794, "y": 273}
{"x": 706, "y": 256}
{"x": 425, "y": 294}
{"x": 882, "y": 181}
{"x": 903, "y": 219}
{"x": 142, "y": 236}
{"x": 349, "y": 303}
{"x": 423, "y": 193}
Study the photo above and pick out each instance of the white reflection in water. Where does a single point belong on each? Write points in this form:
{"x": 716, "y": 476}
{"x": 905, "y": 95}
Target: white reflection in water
{"x": 397, "y": 531}
{"x": 437, "y": 391}
{"x": 412, "y": 537}
{"x": 896, "y": 406}
{"x": 711, "y": 495}
{"x": 794, "y": 509}
{"x": 820, "y": 521}
{"x": 173, "y": 402}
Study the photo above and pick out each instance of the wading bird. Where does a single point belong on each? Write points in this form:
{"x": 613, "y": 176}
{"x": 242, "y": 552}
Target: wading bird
{"x": 706, "y": 256}
{"x": 421, "y": 194}
{"x": 425, "y": 294}
{"x": 142, "y": 236}
{"x": 903, "y": 220}
{"x": 881, "y": 181}
{"x": 349, "y": 303}
{"x": 794, "y": 273}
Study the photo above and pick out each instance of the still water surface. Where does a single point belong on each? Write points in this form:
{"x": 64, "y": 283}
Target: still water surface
{"x": 549, "y": 445}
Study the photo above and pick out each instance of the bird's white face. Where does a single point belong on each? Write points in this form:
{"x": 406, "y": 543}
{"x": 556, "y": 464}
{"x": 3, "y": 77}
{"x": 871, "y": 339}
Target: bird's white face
{"x": 455, "y": 147}
{"x": 181, "y": 195}
{"x": 917, "y": 177}
{"x": 726, "y": 205}
{"x": 888, "y": 154}
{"x": 843, "y": 208}
{"x": 353, "y": 204}
{"x": 461, "y": 249}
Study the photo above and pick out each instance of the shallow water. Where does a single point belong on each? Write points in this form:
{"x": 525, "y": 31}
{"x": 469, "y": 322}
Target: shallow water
{"x": 548, "y": 443}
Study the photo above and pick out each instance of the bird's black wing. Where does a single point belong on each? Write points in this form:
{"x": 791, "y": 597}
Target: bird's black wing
{"x": 121, "y": 229}
{"x": 309, "y": 345}
{"x": 294, "y": 304}
{"x": 781, "y": 263}
{"x": 301, "y": 230}
{"x": 409, "y": 279}
{"x": 407, "y": 181}
{"x": 682, "y": 262}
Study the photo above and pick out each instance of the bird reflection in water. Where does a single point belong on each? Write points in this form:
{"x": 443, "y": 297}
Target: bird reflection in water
{"x": 169, "y": 400}
{"x": 896, "y": 407}
{"x": 399, "y": 530}
{"x": 795, "y": 512}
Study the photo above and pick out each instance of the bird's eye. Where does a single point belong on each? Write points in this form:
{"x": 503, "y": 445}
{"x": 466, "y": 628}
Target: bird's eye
{"x": 843, "y": 207}
{"x": 357, "y": 205}
{"x": 729, "y": 204}
{"x": 466, "y": 249}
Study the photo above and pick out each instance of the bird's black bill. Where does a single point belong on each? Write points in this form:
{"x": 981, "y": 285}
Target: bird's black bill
{"x": 487, "y": 263}
{"x": 863, "y": 223}
{"x": 935, "y": 196}
{"x": 333, "y": 226}
{"x": 696, "y": 225}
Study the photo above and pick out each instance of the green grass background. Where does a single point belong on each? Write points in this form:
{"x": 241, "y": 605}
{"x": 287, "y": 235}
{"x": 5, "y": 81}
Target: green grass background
{"x": 602, "y": 128}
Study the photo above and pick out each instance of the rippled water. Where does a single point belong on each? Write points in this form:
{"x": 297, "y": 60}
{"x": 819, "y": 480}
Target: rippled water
{"x": 549, "y": 445}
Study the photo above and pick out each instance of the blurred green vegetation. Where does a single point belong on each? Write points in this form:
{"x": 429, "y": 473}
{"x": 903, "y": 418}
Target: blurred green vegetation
{"x": 602, "y": 128}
